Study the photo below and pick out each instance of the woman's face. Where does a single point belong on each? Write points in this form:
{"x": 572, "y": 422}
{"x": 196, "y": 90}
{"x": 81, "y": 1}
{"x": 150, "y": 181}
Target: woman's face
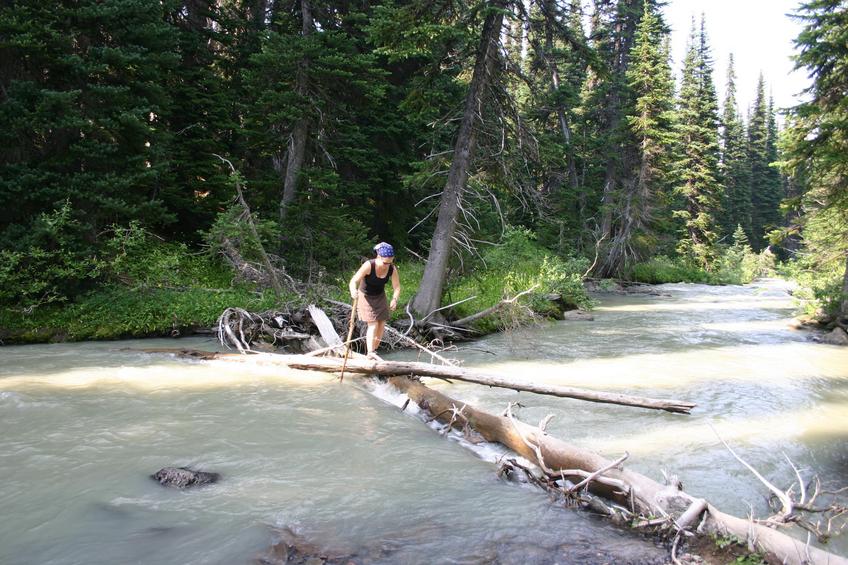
{"x": 386, "y": 260}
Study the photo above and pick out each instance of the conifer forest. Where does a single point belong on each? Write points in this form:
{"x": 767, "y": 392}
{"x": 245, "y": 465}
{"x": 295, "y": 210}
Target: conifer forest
{"x": 159, "y": 157}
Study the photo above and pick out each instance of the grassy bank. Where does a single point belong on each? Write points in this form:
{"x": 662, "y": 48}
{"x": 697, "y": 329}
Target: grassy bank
{"x": 150, "y": 288}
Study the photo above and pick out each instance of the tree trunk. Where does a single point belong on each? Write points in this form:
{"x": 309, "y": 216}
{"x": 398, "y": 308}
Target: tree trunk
{"x": 266, "y": 261}
{"x": 627, "y": 488}
{"x": 296, "y": 150}
{"x": 429, "y": 295}
{"x": 390, "y": 368}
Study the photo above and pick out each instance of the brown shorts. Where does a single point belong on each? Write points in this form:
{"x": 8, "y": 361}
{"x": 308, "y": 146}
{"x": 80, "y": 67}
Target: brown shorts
{"x": 372, "y": 308}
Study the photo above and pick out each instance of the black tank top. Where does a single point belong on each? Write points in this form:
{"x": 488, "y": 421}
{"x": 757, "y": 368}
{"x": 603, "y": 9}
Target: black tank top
{"x": 372, "y": 285}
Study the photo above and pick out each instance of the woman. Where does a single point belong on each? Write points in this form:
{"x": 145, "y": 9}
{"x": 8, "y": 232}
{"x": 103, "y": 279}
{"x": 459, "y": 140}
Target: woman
{"x": 370, "y": 283}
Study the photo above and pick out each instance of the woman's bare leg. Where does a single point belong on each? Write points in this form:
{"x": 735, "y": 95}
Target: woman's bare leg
{"x": 378, "y": 334}
{"x": 369, "y": 337}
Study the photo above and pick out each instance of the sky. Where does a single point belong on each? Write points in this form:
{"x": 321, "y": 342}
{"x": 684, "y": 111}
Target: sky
{"x": 758, "y": 33}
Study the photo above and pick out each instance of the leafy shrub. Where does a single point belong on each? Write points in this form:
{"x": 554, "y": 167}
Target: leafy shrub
{"x": 663, "y": 269}
{"x": 734, "y": 264}
{"x": 515, "y": 265}
{"x": 819, "y": 292}
{"x": 138, "y": 259}
{"x": 119, "y": 312}
{"x": 738, "y": 264}
{"x": 47, "y": 267}
{"x": 144, "y": 286}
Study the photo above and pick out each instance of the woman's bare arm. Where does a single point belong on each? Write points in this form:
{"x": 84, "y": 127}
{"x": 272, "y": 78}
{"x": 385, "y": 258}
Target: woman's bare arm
{"x": 353, "y": 286}
{"x": 396, "y": 287}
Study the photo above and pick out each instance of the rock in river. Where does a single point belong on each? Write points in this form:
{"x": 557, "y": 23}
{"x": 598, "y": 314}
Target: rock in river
{"x": 836, "y": 337}
{"x": 183, "y": 477}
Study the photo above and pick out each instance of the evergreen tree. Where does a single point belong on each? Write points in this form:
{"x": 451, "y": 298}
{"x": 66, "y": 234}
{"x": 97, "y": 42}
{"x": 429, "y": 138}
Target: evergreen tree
{"x": 319, "y": 132}
{"x": 650, "y": 121}
{"x": 201, "y": 122}
{"x": 483, "y": 77}
{"x": 558, "y": 66}
{"x": 817, "y": 139}
{"x": 775, "y": 192}
{"x": 614, "y": 25}
{"x": 83, "y": 107}
{"x": 736, "y": 175}
{"x": 696, "y": 170}
{"x": 758, "y": 140}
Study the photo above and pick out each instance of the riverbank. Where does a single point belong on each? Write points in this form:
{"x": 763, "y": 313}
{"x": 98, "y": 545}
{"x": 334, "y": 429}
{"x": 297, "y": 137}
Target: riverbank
{"x": 186, "y": 294}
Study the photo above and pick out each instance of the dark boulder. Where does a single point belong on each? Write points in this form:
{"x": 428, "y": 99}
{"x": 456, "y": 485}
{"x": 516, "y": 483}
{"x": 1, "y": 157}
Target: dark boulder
{"x": 183, "y": 477}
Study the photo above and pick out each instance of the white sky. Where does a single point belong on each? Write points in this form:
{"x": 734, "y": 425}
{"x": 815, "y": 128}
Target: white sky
{"x": 758, "y": 33}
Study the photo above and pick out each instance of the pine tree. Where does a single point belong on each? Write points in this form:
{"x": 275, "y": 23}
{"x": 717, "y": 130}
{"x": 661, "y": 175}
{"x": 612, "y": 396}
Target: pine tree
{"x": 761, "y": 202}
{"x": 650, "y": 120}
{"x": 736, "y": 175}
{"x": 615, "y": 24}
{"x": 775, "y": 193}
{"x": 559, "y": 57}
{"x": 429, "y": 296}
{"x": 201, "y": 122}
{"x": 83, "y": 109}
{"x": 817, "y": 139}
{"x": 696, "y": 170}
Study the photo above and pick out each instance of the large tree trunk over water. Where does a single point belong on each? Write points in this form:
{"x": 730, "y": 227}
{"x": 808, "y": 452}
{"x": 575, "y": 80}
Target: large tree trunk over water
{"x": 429, "y": 295}
{"x": 627, "y": 488}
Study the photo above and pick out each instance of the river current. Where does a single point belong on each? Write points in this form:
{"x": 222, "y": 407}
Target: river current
{"x": 84, "y": 425}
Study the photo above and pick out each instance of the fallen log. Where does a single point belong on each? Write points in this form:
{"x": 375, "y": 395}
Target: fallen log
{"x": 389, "y": 368}
{"x": 364, "y": 366}
{"x": 642, "y": 495}
{"x": 392, "y": 368}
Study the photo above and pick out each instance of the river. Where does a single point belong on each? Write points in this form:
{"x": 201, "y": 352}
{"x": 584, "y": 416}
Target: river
{"x": 84, "y": 425}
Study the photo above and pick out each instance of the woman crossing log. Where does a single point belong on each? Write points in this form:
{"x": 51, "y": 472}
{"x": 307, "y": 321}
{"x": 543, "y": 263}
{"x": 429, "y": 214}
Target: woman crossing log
{"x": 368, "y": 288}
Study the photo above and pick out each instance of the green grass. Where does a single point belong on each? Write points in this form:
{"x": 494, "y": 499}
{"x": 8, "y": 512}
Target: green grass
{"x": 662, "y": 269}
{"x": 121, "y": 312}
{"x": 151, "y": 288}
{"x": 735, "y": 264}
{"x": 515, "y": 266}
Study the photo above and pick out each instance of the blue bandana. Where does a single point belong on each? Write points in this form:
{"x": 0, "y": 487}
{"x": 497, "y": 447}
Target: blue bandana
{"x": 383, "y": 249}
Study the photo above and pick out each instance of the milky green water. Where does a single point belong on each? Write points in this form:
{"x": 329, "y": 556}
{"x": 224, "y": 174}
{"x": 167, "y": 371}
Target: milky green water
{"x": 84, "y": 425}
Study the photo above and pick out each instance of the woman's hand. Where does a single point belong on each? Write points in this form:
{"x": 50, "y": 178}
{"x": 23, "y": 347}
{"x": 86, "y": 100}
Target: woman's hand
{"x": 393, "y": 305}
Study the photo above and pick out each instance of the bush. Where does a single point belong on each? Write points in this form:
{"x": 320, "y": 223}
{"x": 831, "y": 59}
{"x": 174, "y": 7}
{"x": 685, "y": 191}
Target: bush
{"x": 138, "y": 259}
{"x": 121, "y": 312}
{"x": 662, "y": 269}
{"x": 512, "y": 267}
{"x": 734, "y": 264}
{"x": 145, "y": 287}
{"x": 738, "y": 264}
{"x": 819, "y": 292}
{"x": 47, "y": 267}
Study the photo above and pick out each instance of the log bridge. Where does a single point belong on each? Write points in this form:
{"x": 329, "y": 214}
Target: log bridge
{"x": 566, "y": 468}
